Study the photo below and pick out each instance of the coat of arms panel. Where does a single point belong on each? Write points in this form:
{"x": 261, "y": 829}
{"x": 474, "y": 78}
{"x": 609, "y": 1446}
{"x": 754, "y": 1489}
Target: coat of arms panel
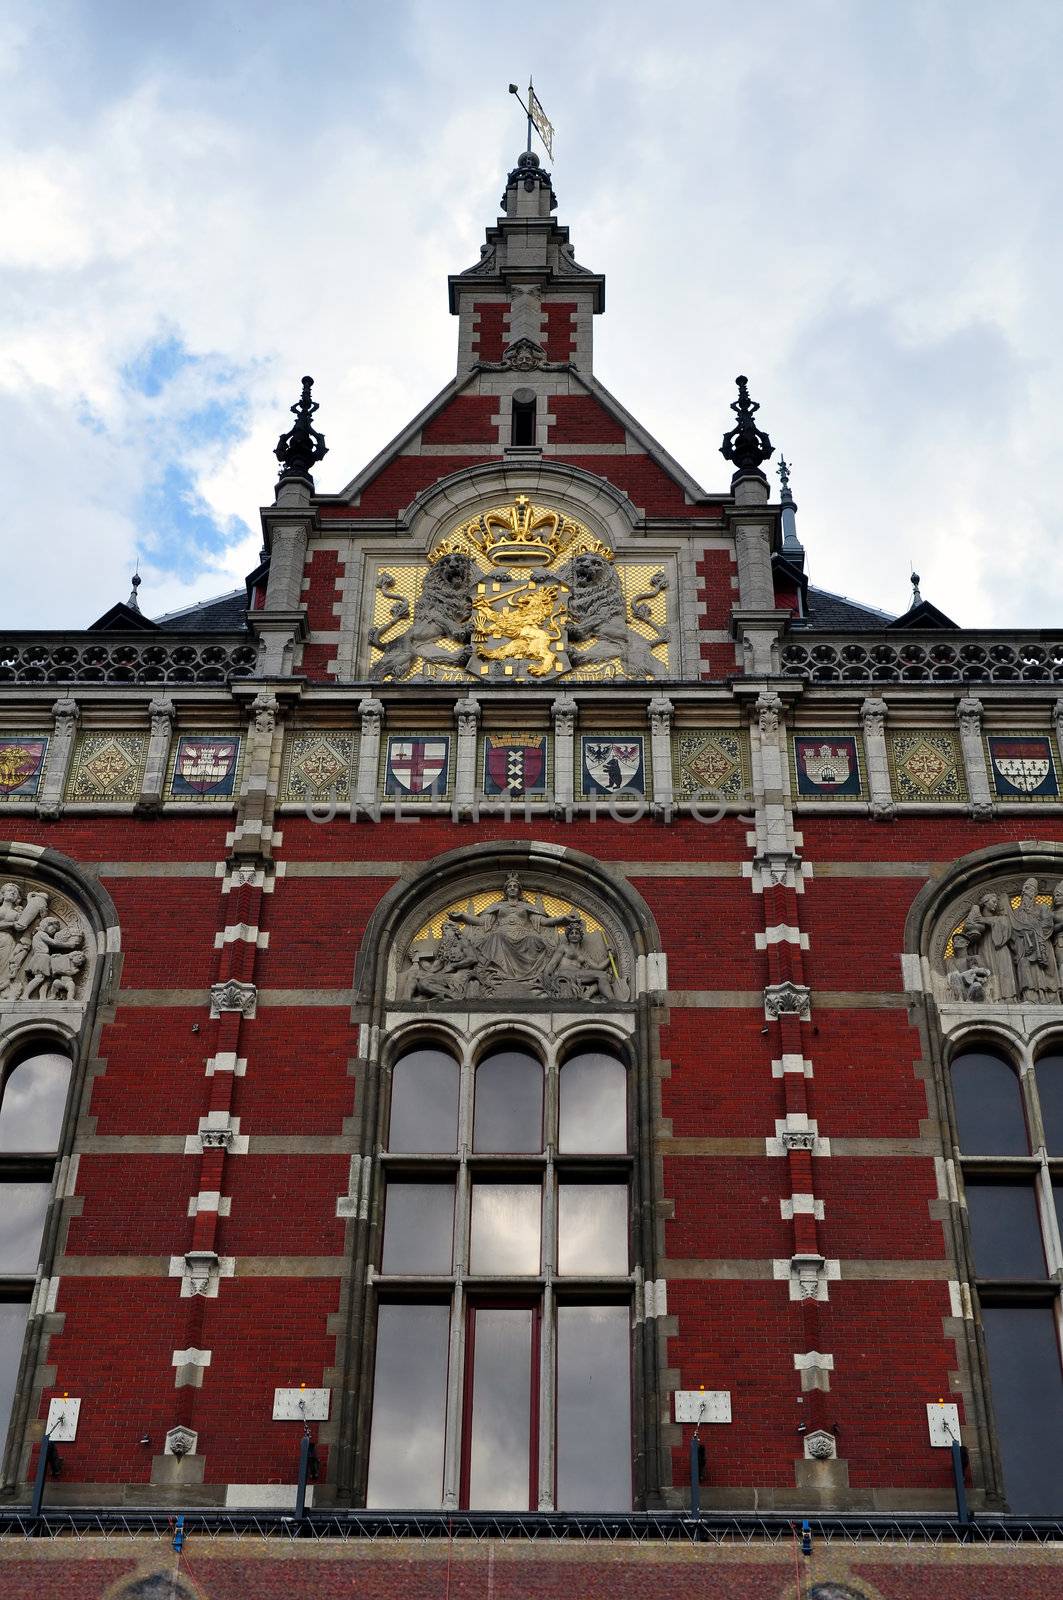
{"x": 520, "y": 593}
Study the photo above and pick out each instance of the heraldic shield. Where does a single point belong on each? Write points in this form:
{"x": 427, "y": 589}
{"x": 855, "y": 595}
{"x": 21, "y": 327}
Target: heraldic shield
{"x": 519, "y": 626}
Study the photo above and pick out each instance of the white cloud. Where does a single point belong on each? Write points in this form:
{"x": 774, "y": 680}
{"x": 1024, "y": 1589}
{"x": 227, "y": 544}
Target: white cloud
{"x": 858, "y": 207}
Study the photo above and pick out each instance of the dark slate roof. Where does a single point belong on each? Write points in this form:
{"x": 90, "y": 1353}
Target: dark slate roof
{"x": 828, "y": 611}
{"x": 227, "y": 614}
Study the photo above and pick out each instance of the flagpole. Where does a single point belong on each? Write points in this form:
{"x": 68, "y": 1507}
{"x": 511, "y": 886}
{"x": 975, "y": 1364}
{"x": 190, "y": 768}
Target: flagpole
{"x": 530, "y": 104}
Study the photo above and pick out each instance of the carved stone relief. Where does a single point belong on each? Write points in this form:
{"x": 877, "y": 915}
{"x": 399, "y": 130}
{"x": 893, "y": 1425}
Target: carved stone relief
{"x": 511, "y": 946}
{"x": 42, "y": 944}
{"x": 1008, "y": 946}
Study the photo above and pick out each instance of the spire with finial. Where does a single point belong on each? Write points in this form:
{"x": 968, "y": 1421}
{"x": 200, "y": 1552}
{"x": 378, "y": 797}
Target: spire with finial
{"x": 746, "y": 445}
{"x": 792, "y": 547}
{"x": 303, "y": 446}
{"x": 917, "y": 598}
{"x": 133, "y": 602}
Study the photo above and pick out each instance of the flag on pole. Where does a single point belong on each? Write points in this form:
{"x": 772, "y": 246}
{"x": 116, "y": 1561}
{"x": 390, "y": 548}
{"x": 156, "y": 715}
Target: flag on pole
{"x": 543, "y": 126}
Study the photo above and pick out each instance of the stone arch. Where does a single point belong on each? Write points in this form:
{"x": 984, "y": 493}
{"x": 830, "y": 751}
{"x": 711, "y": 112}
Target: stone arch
{"x": 555, "y": 871}
{"x": 606, "y": 510}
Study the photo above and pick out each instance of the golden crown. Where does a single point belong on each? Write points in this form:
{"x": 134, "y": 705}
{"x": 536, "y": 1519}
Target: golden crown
{"x": 520, "y": 535}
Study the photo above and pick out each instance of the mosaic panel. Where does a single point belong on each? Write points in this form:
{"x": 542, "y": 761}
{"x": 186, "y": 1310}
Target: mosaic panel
{"x": 926, "y": 764}
{"x": 1022, "y": 766}
{"x": 827, "y": 766}
{"x": 318, "y": 766}
{"x": 21, "y": 765}
{"x": 205, "y": 766}
{"x": 108, "y": 768}
{"x": 710, "y": 762}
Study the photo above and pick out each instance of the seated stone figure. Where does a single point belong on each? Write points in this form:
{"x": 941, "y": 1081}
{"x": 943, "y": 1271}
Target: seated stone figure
{"x": 574, "y": 969}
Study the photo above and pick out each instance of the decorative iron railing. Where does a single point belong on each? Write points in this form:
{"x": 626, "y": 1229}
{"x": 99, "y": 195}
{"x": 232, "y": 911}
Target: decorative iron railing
{"x": 547, "y": 1527}
{"x": 924, "y": 658}
{"x": 60, "y": 658}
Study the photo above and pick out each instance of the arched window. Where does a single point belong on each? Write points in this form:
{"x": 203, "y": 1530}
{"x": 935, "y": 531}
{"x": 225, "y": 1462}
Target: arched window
{"x": 503, "y": 1360}
{"x": 1011, "y": 1157}
{"x": 988, "y": 1098}
{"x": 424, "y": 1102}
{"x": 33, "y": 1094}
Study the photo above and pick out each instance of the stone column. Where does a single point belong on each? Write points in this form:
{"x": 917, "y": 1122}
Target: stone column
{"x": 564, "y": 712}
{"x": 281, "y": 624}
{"x": 969, "y": 721}
{"x": 467, "y": 721}
{"x": 1057, "y": 723}
{"x": 253, "y": 834}
{"x": 371, "y": 712}
{"x": 66, "y": 713}
{"x": 873, "y": 714}
{"x": 162, "y": 711}
{"x": 660, "y": 710}
{"x": 752, "y": 535}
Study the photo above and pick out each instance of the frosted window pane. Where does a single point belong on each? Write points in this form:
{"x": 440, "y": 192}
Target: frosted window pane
{"x": 1050, "y": 1093}
{"x": 509, "y": 1103}
{"x": 424, "y": 1102}
{"x": 31, "y": 1112}
{"x": 500, "y": 1424}
{"x": 506, "y": 1221}
{"x": 988, "y": 1103}
{"x": 1005, "y": 1230}
{"x": 409, "y": 1407}
{"x": 418, "y": 1227}
{"x": 22, "y": 1211}
{"x": 13, "y": 1314}
{"x": 593, "y": 1104}
{"x": 1027, "y": 1390}
{"x": 592, "y": 1228}
{"x": 593, "y": 1408}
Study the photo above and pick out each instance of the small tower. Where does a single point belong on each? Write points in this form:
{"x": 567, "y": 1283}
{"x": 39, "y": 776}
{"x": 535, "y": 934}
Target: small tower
{"x": 527, "y": 303}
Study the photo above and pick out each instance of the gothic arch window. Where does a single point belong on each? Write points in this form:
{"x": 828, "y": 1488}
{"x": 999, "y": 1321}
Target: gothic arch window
{"x": 33, "y": 1093}
{"x": 505, "y": 1296}
{"x": 500, "y": 1356}
{"x": 59, "y": 944}
{"x": 1013, "y": 1189}
{"x": 989, "y": 977}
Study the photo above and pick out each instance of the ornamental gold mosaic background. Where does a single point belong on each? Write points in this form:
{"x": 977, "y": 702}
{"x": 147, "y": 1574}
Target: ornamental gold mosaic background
{"x": 318, "y": 766}
{"x": 108, "y": 768}
{"x": 519, "y": 592}
{"x": 925, "y": 764}
{"x": 710, "y": 762}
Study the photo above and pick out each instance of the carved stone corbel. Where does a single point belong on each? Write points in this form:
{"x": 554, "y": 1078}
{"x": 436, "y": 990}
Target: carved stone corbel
{"x": 969, "y": 721}
{"x": 467, "y": 720}
{"x": 660, "y": 711}
{"x": 66, "y": 713}
{"x": 873, "y": 715}
{"x": 371, "y": 712}
{"x": 564, "y": 711}
{"x": 161, "y": 711}
{"x": 787, "y": 1000}
{"x": 232, "y": 995}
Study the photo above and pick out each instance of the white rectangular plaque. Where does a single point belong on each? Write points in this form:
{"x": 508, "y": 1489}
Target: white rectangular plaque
{"x": 62, "y": 1426}
{"x": 300, "y": 1405}
{"x": 944, "y": 1424}
{"x": 703, "y": 1405}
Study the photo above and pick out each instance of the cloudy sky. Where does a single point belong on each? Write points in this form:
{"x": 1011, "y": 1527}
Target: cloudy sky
{"x": 858, "y": 204}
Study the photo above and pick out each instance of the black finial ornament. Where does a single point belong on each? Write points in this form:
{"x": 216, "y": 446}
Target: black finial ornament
{"x": 783, "y": 469}
{"x": 134, "y": 602}
{"x": 746, "y": 445}
{"x": 298, "y": 450}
